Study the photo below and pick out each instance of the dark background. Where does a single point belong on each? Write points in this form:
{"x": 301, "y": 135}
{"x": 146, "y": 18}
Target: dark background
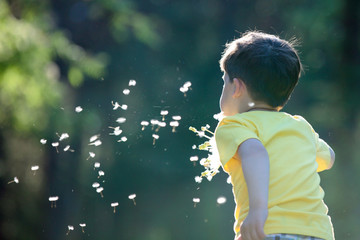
{"x": 56, "y": 55}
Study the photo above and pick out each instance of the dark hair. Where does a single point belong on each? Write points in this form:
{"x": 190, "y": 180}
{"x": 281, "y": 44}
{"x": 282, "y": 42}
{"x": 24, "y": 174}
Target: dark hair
{"x": 269, "y": 66}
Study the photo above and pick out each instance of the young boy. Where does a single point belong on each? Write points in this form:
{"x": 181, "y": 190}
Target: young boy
{"x": 272, "y": 157}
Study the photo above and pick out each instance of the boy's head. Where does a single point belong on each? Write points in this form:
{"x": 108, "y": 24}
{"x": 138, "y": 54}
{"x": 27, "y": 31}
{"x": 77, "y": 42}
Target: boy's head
{"x": 269, "y": 66}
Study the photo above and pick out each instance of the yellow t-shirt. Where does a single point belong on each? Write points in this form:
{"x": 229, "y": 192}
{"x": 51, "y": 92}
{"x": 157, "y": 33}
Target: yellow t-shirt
{"x": 296, "y": 154}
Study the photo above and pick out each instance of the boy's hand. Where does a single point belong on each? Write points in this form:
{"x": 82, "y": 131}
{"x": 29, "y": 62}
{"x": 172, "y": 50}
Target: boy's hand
{"x": 253, "y": 226}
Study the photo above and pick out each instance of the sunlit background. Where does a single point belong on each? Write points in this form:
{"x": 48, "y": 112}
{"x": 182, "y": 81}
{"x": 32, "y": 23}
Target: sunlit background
{"x": 58, "y": 55}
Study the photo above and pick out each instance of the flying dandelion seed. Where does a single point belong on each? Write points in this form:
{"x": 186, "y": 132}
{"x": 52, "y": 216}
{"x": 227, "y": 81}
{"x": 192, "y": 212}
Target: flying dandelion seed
{"x": 251, "y": 104}
{"x": 155, "y": 137}
{"x": 34, "y": 168}
{"x": 55, "y": 145}
{"x": 198, "y": 179}
{"x": 117, "y": 131}
{"x": 126, "y": 91}
{"x": 96, "y": 143}
{"x": 116, "y": 105}
{"x": 124, "y": 107}
{"x": 96, "y": 165}
{"x": 63, "y": 136}
{"x": 15, "y": 180}
{"x": 91, "y": 155}
{"x": 70, "y": 228}
{"x": 123, "y": 139}
{"x": 99, "y": 190}
{"x": 196, "y": 201}
{"x": 114, "y": 205}
{"x": 221, "y": 200}
{"x": 95, "y": 185}
{"x": 101, "y": 173}
{"x": 43, "y": 141}
{"x": 194, "y": 146}
{"x": 132, "y": 197}
{"x": 82, "y": 225}
{"x": 194, "y": 158}
{"x": 78, "y": 109}
{"x": 144, "y": 124}
{"x": 154, "y": 122}
{"x": 160, "y": 125}
{"x": 94, "y": 138}
{"x": 163, "y": 113}
{"x": 67, "y": 148}
{"x": 174, "y": 124}
{"x": 187, "y": 85}
{"x": 53, "y": 200}
{"x": 132, "y": 82}
{"x": 121, "y": 120}
{"x": 176, "y": 118}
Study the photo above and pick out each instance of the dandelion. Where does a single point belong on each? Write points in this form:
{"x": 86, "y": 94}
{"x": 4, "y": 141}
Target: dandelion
{"x": 126, "y": 91}
{"x": 43, "y": 141}
{"x": 221, "y": 200}
{"x": 163, "y": 113}
{"x": 53, "y": 200}
{"x": 34, "y": 168}
{"x": 114, "y": 205}
{"x": 121, "y": 120}
{"x": 99, "y": 190}
{"x": 195, "y": 201}
{"x": 174, "y": 124}
{"x": 63, "y": 136}
{"x": 78, "y": 109}
{"x": 82, "y": 225}
{"x": 67, "y": 148}
{"x": 155, "y": 137}
{"x": 95, "y": 185}
{"x": 91, "y": 155}
{"x": 144, "y": 124}
{"x": 96, "y": 165}
{"x": 198, "y": 179}
{"x": 101, "y": 173}
{"x": 123, "y": 139}
{"x": 117, "y": 131}
{"x": 132, "y": 82}
{"x": 15, "y": 180}
{"x": 96, "y": 143}
{"x": 55, "y": 145}
{"x": 70, "y": 228}
{"x": 132, "y": 197}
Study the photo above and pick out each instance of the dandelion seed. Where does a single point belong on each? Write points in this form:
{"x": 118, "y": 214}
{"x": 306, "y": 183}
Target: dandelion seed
{"x": 155, "y": 136}
{"x": 78, "y": 109}
{"x": 124, "y": 107}
{"x": 67, "y": 148}
{"x": 15, "y": 180}
{"x": 174, "y": 124}
{"x": 187, "y": 84}
{"x": 176, "y": 118}
{"x": 132, "y": 197}
{"x": 154, "y": 122}
{"x": 55, "y": 145}
{"x": 144, "y": 124}
{"x": 251, "y": 104}
{"x": 91, "y": 155}
{"x": 96, "y": 143}
{"x": 194, "y": 158}
{"x": 221, "y": 200}
{"x": 132, "y": 82}
{"x": 53, "y": 201}
{"x": 34, "y": 168}
{"x": 160, "y": 125}
{"x": 43, "y": 141}
{"x": 163, "y": 113}
{"x": 123, "y": 139}
{"x": 196, "y": 201}
{"x": 70, "y": 228}
{"x": 94, "y": 138}
{"x": 63, "y": 136}
{"x": 117, "y": 131}
{"x": 126, "y": 91}
{"x": 116, "y": 105}
{"x": 114, "y": 205}
{"x": 218, "y": 116}
{"x": 121, "y": 120}
{"x": 96, "y": 165}
{"x": 194, "y": 146}
{"x": 99, "y": 190}
{"x": 198, "y": 179}
{"x": 101, "y": 173}
{"x": 82, "y": 225}
{"x": 95, "y": 185}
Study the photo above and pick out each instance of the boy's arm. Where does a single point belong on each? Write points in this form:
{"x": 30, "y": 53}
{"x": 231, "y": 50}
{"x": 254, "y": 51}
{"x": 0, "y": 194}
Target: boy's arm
{"x": 255, "y": 164}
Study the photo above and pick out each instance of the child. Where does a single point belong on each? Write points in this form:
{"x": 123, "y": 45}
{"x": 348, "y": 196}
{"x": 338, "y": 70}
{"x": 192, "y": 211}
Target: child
{"x": 272, "y": 157}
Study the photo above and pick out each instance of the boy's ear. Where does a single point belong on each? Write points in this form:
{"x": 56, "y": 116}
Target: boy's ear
{"x": 240, "y": 87}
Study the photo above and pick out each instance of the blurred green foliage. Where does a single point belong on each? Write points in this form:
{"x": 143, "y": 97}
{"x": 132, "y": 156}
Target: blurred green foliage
{"x": 56, "y": 55}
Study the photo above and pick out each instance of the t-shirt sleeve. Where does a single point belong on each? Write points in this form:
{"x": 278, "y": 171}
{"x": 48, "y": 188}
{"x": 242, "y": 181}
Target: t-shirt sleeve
{"x": 323, "y": 157}
{"x": 230, "y": 133}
